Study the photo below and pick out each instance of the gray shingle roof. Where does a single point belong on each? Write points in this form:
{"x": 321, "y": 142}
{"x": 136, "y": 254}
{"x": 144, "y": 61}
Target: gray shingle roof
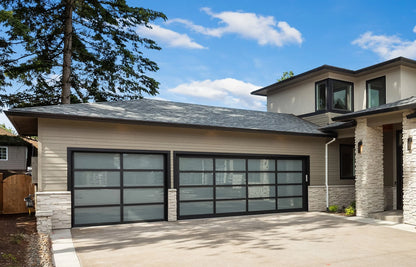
{"x": 407, "y": 103}
{"x": 149, "y": 111}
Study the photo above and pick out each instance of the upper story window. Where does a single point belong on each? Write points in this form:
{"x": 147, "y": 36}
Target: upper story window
{"x": 334, "y": 95}
{"x": 4, "y": 153}
{"x": 376, "y": 92}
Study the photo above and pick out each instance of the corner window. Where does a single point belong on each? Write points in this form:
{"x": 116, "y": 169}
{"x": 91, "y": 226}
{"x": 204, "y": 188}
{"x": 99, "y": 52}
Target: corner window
{"x": 347, "y": 161}
{"x": 4, "y": 153}
{"x": 376, "y": 92}
{"x": 334, "y": 95}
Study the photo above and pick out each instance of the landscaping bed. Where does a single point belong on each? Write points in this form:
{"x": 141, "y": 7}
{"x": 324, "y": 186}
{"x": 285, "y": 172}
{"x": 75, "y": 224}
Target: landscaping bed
{"x": 20, "y": 244}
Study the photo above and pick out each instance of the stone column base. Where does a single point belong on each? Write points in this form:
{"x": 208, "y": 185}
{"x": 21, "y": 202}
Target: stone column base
{"x": 172, "y": 205}
{"x": 59, "y": 203}
{"x": 44, "y": 222}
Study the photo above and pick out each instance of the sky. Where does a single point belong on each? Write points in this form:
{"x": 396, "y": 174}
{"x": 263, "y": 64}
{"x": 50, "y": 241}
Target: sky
{"x": 216, "y": 52}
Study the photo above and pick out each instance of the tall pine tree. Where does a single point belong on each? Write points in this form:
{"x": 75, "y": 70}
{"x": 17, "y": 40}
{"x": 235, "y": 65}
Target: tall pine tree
{"x": 66, "y": 51}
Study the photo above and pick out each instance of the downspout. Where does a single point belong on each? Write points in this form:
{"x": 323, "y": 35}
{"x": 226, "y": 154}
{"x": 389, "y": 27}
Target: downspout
{"x": 326, "y": 172}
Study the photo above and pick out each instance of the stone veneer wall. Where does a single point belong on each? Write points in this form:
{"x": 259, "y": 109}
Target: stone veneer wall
{"x": 409, "y": 171}
{"x": 369, "y": 183}
{"x": 341, "y": 195}
{"x": 59, "y": 203}
{"x": 172, "y": 205}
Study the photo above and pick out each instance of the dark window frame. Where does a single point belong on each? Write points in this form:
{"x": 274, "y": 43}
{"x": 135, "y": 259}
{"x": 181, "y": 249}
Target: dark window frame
{"x": 71, "y": 187}
{"x": 341, "y": 176}
{"x": 246, "y": 157}
{"x": 383, "y": 93}
{"x": 6, "y": 153}
{"x": 329, "y": 95}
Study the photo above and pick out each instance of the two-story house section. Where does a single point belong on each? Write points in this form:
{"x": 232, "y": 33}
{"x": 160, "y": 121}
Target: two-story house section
{"x": 371, "y": 111}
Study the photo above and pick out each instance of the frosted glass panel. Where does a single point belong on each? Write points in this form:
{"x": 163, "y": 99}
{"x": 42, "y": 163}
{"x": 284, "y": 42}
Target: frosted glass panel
{"x": 148, "y": 178}
{"x": 289, "y": 178}
{"x": 195, "y": 164}
{"x": 230, "y": 178}
{"x": 289, "y": 203}
{"x": 261, "y": 178}
{"x": 289, "y": 190}
{"x": 231, "y": 206}
{"x": 230, "y": 164}
{"x": 144, "y": 212}
{"x": 143, "y": 195}
{"x": 289, "y": 165}
{"x": 143, "y": 161}
{"x": 84, "y": 160}
{"x": 230, "y": 192}
{"x": 96, "y": 178}
{"x": 261, "y": 204}
{"x": 261, "y": 191}
{"x": 261, "y": 165}
{"x": 195, "y": 208}
{"x": 196, "y": 193}
{"x": 196, "y": 178}
{"x": 96, "y": 197}
{"x": 96, "y": 215}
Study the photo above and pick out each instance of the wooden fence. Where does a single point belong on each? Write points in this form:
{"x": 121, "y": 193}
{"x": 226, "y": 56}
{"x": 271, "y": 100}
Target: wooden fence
{"x": 13, "y": 190}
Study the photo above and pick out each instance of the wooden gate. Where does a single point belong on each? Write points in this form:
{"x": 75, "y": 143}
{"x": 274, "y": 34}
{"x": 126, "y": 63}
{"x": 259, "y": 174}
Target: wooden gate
{"x": 15, "y": 189}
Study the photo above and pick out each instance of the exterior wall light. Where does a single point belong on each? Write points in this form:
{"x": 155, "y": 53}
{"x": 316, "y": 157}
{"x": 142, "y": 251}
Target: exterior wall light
{"x": 360, "y": 147}
{"x": 409, "y": 143}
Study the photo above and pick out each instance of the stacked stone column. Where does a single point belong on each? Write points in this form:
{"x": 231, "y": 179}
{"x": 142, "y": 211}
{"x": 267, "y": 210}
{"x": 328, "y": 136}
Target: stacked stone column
{"x": 409, "y": 170}
{"x": 369, "y": 184}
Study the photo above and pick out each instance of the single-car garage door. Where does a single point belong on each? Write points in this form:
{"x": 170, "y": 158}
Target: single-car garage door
{"x": 226, "y": 185}
{"x": 117, "y": 187}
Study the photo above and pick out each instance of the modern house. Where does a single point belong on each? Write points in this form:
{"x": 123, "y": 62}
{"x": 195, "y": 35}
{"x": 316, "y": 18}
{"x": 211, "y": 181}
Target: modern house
{"x": 330, "y": 136}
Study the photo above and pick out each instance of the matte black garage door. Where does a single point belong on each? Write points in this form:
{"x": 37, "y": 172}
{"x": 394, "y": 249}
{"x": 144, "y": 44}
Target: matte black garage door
{"x": 114, "y": 187}
{"x": 224, "y": 185}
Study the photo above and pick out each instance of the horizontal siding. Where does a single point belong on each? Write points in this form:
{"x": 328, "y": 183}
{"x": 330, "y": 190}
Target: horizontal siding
{"x": 17, "y": 158}
{"x": 55, "y": 136}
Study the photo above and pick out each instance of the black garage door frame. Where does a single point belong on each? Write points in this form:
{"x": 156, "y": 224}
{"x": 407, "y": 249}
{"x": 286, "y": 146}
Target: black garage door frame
{"x": 70, "y": 178}
{"x": 305, "y": 180}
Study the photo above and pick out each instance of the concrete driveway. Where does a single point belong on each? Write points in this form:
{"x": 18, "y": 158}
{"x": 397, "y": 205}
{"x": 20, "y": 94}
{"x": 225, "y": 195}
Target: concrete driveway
{"x": 291, "y": 239}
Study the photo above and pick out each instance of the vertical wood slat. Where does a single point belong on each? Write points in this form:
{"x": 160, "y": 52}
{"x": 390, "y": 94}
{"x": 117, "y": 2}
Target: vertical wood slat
{"x": 15, "y": 189}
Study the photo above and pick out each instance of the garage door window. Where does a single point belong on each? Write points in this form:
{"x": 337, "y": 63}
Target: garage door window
{"x": 117, "y": 187}
{"x": 210, "y": 186}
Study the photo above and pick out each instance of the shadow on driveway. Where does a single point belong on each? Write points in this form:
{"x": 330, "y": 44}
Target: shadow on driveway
{"x": 295, "y": 239}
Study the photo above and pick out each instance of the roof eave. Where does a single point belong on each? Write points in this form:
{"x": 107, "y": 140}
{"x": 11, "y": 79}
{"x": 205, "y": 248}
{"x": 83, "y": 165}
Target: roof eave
{"x": 13, "y": 114}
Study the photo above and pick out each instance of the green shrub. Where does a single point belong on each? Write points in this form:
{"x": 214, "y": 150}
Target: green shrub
{"x": 353, "y": 204}
{"x": 333, "y": 208}
{"x": 350, "y": 210}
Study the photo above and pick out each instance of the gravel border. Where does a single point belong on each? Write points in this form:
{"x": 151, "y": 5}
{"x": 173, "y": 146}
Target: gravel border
{"x": 39, "y": 251}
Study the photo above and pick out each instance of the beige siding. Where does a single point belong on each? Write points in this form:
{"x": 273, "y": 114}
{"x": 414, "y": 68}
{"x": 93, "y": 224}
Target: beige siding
{"x": 408, "y": 85}
{"x": 334, "y": 161}
{"x": 56, "y": 135}
{"x": 17, "y": 158}
{"x": 322, "y": 119}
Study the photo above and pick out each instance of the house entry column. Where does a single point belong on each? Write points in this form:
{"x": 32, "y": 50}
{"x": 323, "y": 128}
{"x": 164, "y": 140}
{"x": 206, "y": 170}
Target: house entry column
{"x": 369, "y": 184}
{"x": 409, "y": 169}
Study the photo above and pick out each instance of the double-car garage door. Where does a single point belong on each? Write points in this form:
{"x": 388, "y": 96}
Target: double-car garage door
{"x": 219, "y": 186}
{"x": 118, "y": 187}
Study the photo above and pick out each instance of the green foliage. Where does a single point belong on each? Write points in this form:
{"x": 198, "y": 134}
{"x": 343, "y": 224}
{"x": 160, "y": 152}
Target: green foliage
{"x": 333, "y": 208}
{"x": 9, "y": 257}
{"x": 286, "y": 75}
{"x": 353, "y": 204}
{"x": 107, "y": 58}
{"x": 17, "y": 238}
{"x": 350, "y": 211}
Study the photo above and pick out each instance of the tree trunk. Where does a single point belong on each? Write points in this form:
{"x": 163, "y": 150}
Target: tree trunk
{"x": 66, "y": 69}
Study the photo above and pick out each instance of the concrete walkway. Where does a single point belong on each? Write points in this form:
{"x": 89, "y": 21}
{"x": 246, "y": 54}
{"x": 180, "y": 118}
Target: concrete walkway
{"x": 287, "y": 239}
